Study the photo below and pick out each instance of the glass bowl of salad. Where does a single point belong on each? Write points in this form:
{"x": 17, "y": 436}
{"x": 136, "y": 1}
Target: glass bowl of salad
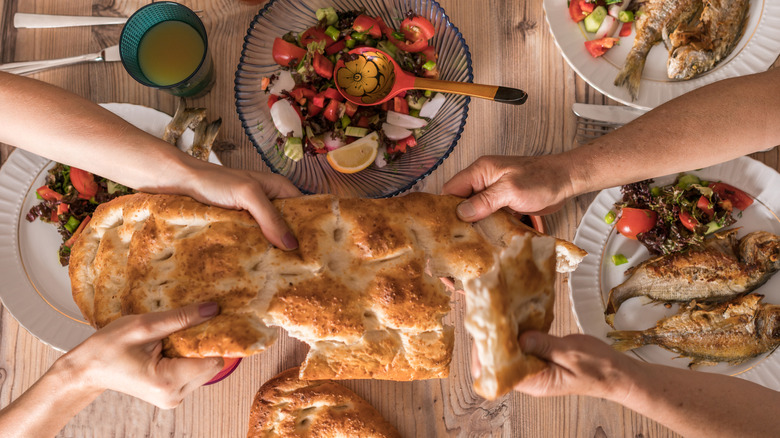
{"x": 304, "y": 129}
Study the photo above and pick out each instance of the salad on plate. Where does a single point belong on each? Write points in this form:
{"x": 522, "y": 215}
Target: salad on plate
{"x": 312, "y": 116}
{"x": 604, "y": 21}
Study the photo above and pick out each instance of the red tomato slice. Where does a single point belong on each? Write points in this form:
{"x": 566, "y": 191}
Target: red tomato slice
{"x": 688, "y": 220}
{"x": 600, "y": 46}
{"x": 704, "y": 205}
{"x": 334, "y": 110}
{"x": 48, "y": 194}
{"x": 301, "y": 94}
{"x": 400, "y": 105}
{"x": 385, "y": 29}
{"x": 636, "y": 220}
{"x": 84, "y": 182}
{"x": 586, "y": 7}
{"x": 287, "y": 54}
{"x": 312, "y": 109}
{"x": 315, "y": 35}
{"x": 417, "y": 28}
{"x": 364, "y": 23}
{"x": 410, "y": 46}
{"x": 323, "y": 66}
{"x": 363, "y": 122}
{"x": 351, "y": 108}
{"x": 332, "y": 93}
{"x": 575, "y": 11}
{"x": 738, "y": 198}
{"x": 62, "y": 209}
{"x": 625, "y": 30}
{"x": 336, "y": 47}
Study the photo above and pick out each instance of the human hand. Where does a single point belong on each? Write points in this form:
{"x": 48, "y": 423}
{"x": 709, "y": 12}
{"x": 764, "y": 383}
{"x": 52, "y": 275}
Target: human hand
{"x": 576, "y": 364}
{"x": 244, "y": 190}
{"x": 530, "y": 185}
{"x": 126, "y": 356}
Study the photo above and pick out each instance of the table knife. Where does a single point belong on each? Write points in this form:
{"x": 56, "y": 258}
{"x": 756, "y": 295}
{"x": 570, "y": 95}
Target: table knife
{"x": 607, "y": 113}
{"x": 39, "y": 21}
{"x": 108, "y": 54}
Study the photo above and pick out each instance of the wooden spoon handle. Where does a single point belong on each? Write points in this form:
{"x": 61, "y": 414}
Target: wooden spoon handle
{"x": 492, "y": 92}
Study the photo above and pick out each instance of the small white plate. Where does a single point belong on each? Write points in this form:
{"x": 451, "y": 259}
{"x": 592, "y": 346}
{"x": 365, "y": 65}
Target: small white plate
{"x": 590, "y": 284}
{"x": 35, "y": 287}
{"x": 754, "y": 53}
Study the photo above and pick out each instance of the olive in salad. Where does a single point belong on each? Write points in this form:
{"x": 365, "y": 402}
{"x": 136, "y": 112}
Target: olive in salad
{"x": 311, "y": 115}
{"x": 671, "y": 218}
{"x": 68, "y": 200}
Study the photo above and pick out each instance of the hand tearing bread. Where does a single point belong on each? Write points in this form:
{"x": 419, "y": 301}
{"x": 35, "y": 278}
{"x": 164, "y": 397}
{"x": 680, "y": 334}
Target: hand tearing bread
{"x": 361, "y": 289}
{"x": 286, "y": 406}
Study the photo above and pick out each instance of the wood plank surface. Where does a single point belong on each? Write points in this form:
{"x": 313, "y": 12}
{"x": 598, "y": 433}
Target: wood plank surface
{"x": 511, "y": 45}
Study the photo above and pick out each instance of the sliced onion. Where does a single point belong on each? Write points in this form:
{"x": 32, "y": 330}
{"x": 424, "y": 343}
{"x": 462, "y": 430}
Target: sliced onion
{"x": 432, "y": 106}
{"x": 286, "y": 119}
{"x": 615, "y": 9}
{"x": 607, "y": 27}
{"x": 395, "y": 133}
{"x": 284, "y": 82}
{"x": 405, "y": 120}
{"x": 380, "y": 160}
{"x": 332, "y": 141}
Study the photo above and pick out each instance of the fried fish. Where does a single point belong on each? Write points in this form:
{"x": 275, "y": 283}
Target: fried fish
{"x": 182, "y": 119}
{"x": 730, "y": 332}
{"x": 717, "y": 270}
{"x": 696, "y": 50}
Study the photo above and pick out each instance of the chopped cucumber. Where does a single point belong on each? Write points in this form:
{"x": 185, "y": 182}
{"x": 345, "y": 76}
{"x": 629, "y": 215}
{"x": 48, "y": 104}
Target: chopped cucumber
{"x": 414, "y": 112}
{"x": 388, "y": 47}
{"x": 415, "y": 103}
{"x": 345, "y": 121}
{"x": 354, "y": 131}
{"x": 626, "y": 16}
{"x": 619, "y": 259}
{"x": 328, "y": 15}
{"x": 687, "y": 180}
{"x": 610, "y": 217}
{"x": 712, "y": 227}
{"x": 593, "y": 21}
{"x": 293, "y": 148}
{"x": 72, "y": 224}
{"x": 351, "y": 44}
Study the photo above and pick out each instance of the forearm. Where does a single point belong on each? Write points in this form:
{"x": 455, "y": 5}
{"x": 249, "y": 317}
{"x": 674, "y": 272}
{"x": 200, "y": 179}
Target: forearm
{"x": 48, "y": 405}
{"x": 61, "y": 126}
{"x": 710, "y": 125}
{"x": 697, "y": 404}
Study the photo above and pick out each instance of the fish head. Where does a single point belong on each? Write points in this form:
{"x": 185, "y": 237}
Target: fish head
{"x": 761, "y": 249}
{"x": 769, "y": 322}
{"x": 686, "y": 62}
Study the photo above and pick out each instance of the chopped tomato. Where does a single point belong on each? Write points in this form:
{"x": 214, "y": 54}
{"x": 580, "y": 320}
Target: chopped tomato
{"x": 351, "y": 108}
{"x": 69, "y": 243}
{"x": 287, "y": 54}
{"x": 586, "y": 7}
{"x": 319, "y": 100}
{"x": 400, "y": 105}
{"x": 363, "y": 122}
{"x": 600, "y": 46}
{"x": 575, "y": 11}
{"x": 316, "y": 35}
{"x": 625, "y": 30}
{"x": 48, "y": 194}
{"x": 688, "y": 220}
{"x": 704, "y": 205}
{"x": 312, "y": 109}
{"x": 323, "y": 66}
{"x": 635, "y": 220}
{"x": 302, "y": 94}
{"x": 334, "y": 110}
{"x": 84, "y": 182}
{"x": 410, "y": 46}
{"x": 385, "y": 29}
{"x": 737, "y": 197}
{"x": 54, "y": 218}
{"x": 336, "y": 47}
{"x": 417, "y": 28}
{"x": 332, "y": 93}
{"x": 264, "y": 83}
{"x": 401, "y": 145}
{"x": 364, "y": 23}
{"x": 62, "y": 209}
{"x": 272, "y": 100}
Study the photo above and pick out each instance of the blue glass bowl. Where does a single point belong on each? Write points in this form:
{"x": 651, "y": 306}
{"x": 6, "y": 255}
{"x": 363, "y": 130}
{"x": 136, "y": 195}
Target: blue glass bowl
{"x": 313, "y": 174}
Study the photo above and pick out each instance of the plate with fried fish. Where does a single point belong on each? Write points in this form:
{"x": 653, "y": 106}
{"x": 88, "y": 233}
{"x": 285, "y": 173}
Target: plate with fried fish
{"x": 645, "y": 306}
{"x": 36, "y": 287}
{"x": 665, "y": 57}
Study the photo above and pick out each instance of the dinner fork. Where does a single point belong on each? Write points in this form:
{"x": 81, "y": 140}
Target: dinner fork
{"x": 589, "y": 129}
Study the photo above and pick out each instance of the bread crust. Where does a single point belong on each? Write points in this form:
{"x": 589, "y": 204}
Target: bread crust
{"x": 287, "y": 406}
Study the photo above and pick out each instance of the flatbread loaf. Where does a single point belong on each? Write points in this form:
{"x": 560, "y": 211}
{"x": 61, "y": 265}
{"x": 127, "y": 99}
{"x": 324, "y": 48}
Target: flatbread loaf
{"x": 286, "y": 406}
{"x": 361, "y": 289}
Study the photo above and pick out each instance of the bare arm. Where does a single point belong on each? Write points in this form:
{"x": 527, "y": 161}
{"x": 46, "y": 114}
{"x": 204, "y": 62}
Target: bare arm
{"x": 63, "y": 127}
{"x": 694, "y": 404}
{"x": 707, "y": 126}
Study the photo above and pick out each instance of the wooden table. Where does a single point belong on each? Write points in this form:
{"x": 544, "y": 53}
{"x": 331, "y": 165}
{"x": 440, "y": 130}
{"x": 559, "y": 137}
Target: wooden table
{"x": 511, "y": 45}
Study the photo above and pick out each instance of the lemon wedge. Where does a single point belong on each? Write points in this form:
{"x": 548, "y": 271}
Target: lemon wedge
{"x": 356, "y": 156}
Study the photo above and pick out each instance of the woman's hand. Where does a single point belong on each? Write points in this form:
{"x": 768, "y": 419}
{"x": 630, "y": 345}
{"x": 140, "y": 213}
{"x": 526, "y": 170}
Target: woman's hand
{"x": 126, "y": 356}
{"x": 530, "y": 185}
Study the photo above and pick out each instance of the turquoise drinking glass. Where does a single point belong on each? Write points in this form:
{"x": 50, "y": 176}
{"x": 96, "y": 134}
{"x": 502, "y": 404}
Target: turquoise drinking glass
{"x": 199, "y": 82}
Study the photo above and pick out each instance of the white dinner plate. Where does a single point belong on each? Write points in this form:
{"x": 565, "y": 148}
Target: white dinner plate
{"x": 35, "y": 288}
{"x": 590, "y": 284}
{"x": 756, "y": 51}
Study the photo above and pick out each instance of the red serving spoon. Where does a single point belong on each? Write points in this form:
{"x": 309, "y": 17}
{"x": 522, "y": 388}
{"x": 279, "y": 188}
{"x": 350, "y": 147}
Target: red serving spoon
{"x": 369, "y": 76}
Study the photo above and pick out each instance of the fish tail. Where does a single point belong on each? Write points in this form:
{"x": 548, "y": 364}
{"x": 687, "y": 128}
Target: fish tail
{"x": 627, "y": 339}
{"x": 631, "y": 73}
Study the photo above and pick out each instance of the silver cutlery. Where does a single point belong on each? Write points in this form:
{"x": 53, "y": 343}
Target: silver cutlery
{"x": 593, "y": 121}
{"x": 108, "y": 54}
{"x": 39, "y": 21}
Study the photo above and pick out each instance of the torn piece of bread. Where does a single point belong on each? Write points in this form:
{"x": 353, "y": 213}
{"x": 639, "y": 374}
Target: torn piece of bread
{"x": 287, "y": 406}
{"x": 361, "y": 290}
{"x": 514, "y": 296}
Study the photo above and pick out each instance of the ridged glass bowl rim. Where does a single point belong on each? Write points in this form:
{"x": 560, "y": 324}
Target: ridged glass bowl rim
{"x": 469, "y": 78}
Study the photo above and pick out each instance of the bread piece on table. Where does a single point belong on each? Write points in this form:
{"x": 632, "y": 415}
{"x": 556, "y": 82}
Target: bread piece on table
{"x": 286, "y": 406}
{"x": 362, "y": 289}
{"x": 515, "y": 296}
